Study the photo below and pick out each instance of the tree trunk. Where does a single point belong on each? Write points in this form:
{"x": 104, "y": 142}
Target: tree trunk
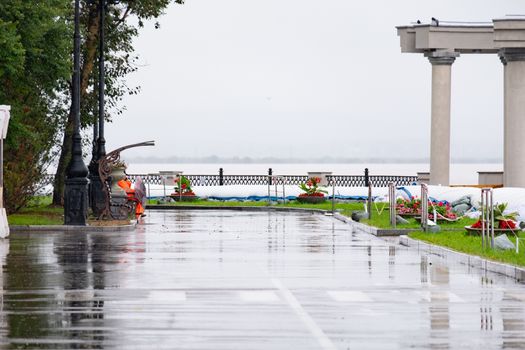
{"x": 90, "y": 51}
{"x": 65, "y": 157}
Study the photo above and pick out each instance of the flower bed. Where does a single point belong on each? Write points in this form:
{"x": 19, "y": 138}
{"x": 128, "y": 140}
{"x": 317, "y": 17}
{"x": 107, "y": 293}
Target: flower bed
{"x": 503, "y": 223}
{"x": 313, "y": 193}
{"x": 412, "y": 208}
{"x": 314, "y": 198}
{"x": 186, "y": 197}
{"x": 183, "y": 191}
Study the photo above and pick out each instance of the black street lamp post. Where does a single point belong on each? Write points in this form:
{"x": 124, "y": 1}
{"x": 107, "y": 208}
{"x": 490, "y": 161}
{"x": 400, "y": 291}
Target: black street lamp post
{"x": 101, "y": 142}
{"x": 76, "y": 189}
{"x": 97, "y": 195}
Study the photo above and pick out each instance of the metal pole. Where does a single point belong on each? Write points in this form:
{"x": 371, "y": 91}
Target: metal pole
{"x": 97, "y": 195}
{"x": 101, "y": 81}
{"x": 276, "y": 194}
{"x": 221, "y": 177}
{"x": 392, "y": 203}
{"x": 369, "y": 203}
{"x": 483, "y": 210}
{"x": 491, "y": 219}
{"x": 367, "y": 178}
{"x": 284, "y": 193}
{"x": 270, "y": 173}
{"x": 487, "y": 218}
{"x": 424, "y": 207}
{"x": 76, "y": 184}
{"x": 269, "y": 189}
{"x": 93, "y": 165}
{"x": 333, "y": 195}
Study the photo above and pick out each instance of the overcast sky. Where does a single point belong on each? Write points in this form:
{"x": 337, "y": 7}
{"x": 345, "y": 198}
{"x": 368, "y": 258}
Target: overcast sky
{"x": 300, "y": 78}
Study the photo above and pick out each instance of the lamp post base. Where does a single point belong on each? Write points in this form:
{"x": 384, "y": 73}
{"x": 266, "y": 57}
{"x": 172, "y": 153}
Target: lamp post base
{"x": 119, "y": 207}
{"x": 76, "y": 201}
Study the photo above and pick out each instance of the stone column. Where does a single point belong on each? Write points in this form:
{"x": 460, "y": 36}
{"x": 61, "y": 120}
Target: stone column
{"x": 440, "y": 116}
{"x": 514, "y": 117}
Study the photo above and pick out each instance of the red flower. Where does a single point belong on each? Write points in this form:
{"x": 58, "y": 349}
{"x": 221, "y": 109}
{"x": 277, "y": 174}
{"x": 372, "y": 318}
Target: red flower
{"x": 477, "y": 224}
{"x": 507, "y": 224}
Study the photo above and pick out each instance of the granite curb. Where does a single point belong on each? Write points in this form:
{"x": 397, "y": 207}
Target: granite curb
{"x": 466, "y": 259}
{"x": 381, "y": 232}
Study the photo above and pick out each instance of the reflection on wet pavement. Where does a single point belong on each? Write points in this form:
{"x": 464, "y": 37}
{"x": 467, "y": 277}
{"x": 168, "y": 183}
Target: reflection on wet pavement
{"x": 246, "y": 280}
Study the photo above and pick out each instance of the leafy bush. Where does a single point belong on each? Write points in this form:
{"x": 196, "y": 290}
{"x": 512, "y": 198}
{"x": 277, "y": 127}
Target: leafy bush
{"x": 183, "y": 186}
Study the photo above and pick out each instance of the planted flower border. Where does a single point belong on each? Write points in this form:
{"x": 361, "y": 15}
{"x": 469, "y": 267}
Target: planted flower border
{"x": 503, "y": 223}
{"x": 412, "y": 208}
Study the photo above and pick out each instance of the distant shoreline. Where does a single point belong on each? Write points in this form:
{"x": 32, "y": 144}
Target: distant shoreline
{"x": 315, "y": 160}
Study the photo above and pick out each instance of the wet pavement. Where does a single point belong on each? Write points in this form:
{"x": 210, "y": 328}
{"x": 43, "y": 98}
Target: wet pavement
{"x": 246, "y": 280}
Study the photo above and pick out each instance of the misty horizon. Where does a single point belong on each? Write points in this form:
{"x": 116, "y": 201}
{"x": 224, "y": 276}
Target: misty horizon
{"x": 214, "y": 159}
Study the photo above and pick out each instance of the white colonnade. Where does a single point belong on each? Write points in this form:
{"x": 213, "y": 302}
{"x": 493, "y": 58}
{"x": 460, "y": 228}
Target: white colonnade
{"x": 442, "y": 43}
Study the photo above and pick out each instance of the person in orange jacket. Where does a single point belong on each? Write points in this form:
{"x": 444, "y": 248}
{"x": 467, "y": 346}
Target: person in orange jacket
{"x": 125, "y": 184}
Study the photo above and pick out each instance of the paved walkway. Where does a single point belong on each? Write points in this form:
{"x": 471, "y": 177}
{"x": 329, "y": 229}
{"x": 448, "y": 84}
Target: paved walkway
{"x": 246, "y": 280}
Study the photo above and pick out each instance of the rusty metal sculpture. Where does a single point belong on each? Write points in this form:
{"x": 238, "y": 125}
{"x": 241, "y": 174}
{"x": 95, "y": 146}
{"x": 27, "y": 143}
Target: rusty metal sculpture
{"x": 105, "y": 166}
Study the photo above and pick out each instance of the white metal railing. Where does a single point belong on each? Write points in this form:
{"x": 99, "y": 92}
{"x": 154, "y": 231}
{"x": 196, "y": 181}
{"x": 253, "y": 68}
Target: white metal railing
{"x": 487, "y": 218}
{"x": 276, "y": 185}
{"x": 392, "y": 203}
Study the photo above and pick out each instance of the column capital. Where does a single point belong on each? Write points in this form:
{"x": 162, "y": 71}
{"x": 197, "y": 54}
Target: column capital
{"x": 502, "y": 58}
{"x": 441, "y": 57}
{"x": 512, "y": 55}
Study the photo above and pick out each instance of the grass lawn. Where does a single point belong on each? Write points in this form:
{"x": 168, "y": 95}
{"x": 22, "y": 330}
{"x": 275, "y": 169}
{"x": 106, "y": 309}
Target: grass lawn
{"x": 343, "y": 208}
{"x": 458, "y": 240}
{"x": 42, "y": 214}
{"x": 383, "y": 221}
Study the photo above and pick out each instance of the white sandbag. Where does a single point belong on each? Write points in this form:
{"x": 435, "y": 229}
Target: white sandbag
{"x": 502, "y": 242}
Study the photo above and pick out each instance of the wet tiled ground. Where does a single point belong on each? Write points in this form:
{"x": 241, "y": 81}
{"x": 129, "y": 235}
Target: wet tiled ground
{"x": 246, "y": 280}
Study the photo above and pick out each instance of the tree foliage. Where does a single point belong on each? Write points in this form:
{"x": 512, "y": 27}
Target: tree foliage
{"x": 124, "y": 18}
{"x": 36, "y": 40}
{"x": 35, "y": 66}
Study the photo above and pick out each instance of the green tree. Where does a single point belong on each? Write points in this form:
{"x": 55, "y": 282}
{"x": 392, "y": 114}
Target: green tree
{"x": 124, "y": 18}
{"x": 35, "y": 67}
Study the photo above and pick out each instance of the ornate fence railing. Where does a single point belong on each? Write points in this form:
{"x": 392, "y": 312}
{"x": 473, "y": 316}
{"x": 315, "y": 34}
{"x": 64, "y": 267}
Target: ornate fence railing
{"x": 340, "y": 180}
{"x": 218, "y": 180}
